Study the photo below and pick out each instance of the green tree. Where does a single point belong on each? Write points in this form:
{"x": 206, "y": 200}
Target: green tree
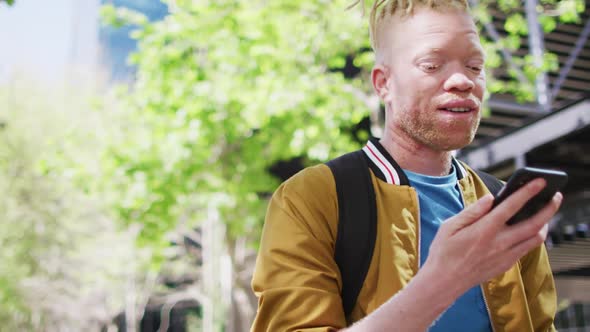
{"x": 224, "y": 90}
{"x": 522, "y": 70}
{"x": 61, "y": 249}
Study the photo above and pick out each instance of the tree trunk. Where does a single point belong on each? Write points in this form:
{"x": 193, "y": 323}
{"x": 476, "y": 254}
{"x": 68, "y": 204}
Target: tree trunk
{"x": 216, "y": 273}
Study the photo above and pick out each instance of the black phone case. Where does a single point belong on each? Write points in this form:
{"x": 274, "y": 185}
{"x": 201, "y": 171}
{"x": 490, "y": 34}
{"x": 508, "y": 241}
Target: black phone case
{"x": 556, "y": 180}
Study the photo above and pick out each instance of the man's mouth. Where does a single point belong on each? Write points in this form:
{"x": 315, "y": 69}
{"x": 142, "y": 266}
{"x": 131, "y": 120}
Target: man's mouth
{"x": 459, "y": 106}
{"x": 457, "y": 109}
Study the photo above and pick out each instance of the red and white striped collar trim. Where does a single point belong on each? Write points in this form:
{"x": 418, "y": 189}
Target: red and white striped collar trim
{"x": 394, "y": 174}
{"x": 389, "y": 172}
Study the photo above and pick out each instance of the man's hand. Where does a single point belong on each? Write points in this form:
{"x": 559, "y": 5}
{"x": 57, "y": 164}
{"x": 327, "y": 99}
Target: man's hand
{"x": 477, "y": 245}
{"x": 470, "y": 248}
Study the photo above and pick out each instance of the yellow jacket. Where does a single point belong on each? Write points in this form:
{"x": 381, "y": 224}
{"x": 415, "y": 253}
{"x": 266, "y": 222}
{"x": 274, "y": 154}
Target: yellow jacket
{"x": 298, "y": 282}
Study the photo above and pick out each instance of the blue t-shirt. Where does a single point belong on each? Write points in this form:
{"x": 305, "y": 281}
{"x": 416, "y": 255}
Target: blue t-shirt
{"x": 440, "y": 199}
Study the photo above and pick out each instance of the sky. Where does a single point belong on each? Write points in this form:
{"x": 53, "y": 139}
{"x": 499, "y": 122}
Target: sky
{"x": 39, "y": 37}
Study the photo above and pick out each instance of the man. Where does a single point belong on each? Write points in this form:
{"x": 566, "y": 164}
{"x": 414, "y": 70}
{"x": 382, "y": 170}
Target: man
{"x": 443, "y": 259}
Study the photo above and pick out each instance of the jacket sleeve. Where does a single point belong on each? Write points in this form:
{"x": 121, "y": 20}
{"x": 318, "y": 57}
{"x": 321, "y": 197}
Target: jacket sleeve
{"x": 296, "y": 278}
{"x": 540, "y": 288}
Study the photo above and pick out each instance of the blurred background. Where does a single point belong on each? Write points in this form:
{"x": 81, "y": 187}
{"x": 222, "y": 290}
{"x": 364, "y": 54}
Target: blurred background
{"x": 140, "y": 141}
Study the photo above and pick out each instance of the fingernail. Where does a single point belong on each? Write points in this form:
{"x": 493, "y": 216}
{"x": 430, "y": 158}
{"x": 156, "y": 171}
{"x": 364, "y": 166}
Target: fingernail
{"x": 487, "y": 199}
{"x": 491, "y": 198}
{"x": 559, "y": 197}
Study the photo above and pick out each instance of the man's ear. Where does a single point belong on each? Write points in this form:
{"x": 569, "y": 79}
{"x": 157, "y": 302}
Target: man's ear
{"x": 380, "y": 80}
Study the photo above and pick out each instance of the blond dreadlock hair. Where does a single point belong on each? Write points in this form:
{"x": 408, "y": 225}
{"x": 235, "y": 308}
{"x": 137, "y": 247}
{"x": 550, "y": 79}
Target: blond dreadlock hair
{"x": 384, "y": 9}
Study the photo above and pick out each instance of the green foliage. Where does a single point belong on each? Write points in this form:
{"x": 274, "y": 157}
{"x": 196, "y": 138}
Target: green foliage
{"x": 522, "y": 71}
{"x": 509, "y": 5}
{"x": 569, "y": 10}
{"x": 9, "y": 2}
{"x": 119, "y": 17}
{"x": 224, "y": 90}
{"x": 516, "y": 24}
{"x": 548, "y": 23}
{"x": 60, "y": 248}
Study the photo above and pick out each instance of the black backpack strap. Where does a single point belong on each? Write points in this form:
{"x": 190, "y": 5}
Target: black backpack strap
{"x": 494, "y": 185}
{"x": 357, "y": 223}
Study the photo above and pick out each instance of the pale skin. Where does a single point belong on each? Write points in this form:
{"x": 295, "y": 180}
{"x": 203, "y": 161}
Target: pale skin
{"x": 442, "y": 70}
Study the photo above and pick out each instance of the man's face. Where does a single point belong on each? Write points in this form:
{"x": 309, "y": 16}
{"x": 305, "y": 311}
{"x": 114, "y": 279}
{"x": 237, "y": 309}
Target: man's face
{"x": 436, "y": 78}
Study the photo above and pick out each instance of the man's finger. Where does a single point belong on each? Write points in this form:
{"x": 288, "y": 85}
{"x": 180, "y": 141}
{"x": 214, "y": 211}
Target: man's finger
{"x": 471, "y": 214}
{"x": 522, "y": 248}
{"x": 529, "y": 227}
{"x": 509, "y": 207}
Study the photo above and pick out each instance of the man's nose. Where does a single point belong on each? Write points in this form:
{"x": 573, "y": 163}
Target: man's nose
{"x": 458, "y": 81}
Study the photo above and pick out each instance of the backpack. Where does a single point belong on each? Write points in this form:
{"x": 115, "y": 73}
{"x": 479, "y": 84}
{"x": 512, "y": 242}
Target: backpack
{"x": 356, "y": 203}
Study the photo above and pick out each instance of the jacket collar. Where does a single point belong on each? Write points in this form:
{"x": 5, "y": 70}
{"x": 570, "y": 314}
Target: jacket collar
{"x": 387, "y": 169}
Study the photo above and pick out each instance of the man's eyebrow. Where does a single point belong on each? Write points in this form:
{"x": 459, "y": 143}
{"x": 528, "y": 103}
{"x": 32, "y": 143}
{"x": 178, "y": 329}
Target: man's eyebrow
{"x": 473, "y": 51}
{"x": 430, "y": 51}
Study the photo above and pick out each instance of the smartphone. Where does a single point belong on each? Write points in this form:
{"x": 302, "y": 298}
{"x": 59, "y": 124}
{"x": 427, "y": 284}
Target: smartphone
{"x": 555, "y": 180}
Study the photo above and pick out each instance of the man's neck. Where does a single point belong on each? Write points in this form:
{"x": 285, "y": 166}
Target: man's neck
{"x": 416, "y": 157}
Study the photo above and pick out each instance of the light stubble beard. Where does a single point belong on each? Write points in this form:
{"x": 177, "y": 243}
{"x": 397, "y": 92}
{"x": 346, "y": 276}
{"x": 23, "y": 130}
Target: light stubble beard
{"x": 435, "y": 139}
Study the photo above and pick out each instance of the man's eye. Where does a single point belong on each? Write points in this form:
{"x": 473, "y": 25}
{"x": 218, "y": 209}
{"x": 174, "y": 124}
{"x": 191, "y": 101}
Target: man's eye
{"x": 429, "y": 67}
{"x": 476, "y": 69}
